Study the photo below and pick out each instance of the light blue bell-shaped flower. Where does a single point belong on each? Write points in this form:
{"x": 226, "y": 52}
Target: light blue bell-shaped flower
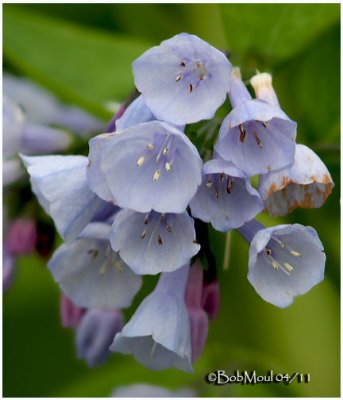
{"x": 158, "y": 334}
{"x": 285, "y": 261}
{"x": 183, "y": 80}
{"x": 91, "y": 274}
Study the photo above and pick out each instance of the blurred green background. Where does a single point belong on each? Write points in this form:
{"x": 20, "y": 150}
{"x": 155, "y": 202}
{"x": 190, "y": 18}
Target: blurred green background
{"x": 83, "y": 53}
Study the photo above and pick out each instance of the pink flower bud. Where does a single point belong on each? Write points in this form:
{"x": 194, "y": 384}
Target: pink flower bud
{"x": 21, "y": 237}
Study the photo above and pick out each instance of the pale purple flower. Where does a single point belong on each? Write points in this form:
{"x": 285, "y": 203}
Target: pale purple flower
{"x": 91, "y": 274}
{"x": 225, "y": 198}
{"x": 153, "y": 242}
{"x": 306, "y": 183}
{"x": 183, "y": 80}
{"x": 70, "y": 313}
{"x": 95, "y": 333}
{"x": 285, "y": 261}
{"x": 42, "y": 108}
{"x": 61, "y": 187}
{"x": 158, "y": 334}
{"x": 136, "y": 113}
{"x": 256, "y": 137}
{"x": 149, "y": 166}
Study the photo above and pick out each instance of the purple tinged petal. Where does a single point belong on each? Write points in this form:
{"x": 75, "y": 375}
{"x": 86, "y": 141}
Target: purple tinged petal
{"x": 158, "y": 334}
{"x": 284, "y": 262}
{"x": 8, "y": 269}
{"x": 153, "y": 243}
{"x": 21, "y": 236}
{"x": 257, "y": 138}
{"x": 136, "y": 113}
{"x": 225, "y": 197}
{"x": 155, "y": 167}
{"x": 306, "y": 184}
{"x": 61, "y": 186}
{"x": 183, "y": 80}
{"x": 211, "y": 298}
{"x": 70, "y": 313}
{"x": 197, "y": 315}
{"x": 95, "y": 333}
{"x": 12, "y": 171}
{"x": 91, "y": 274}
{"x": 40, "y": 139}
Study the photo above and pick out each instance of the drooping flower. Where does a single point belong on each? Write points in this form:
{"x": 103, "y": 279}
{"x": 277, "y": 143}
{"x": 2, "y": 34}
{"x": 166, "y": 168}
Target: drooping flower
{"x": 70, "y": 313}
{"x": 21, "y": 136}
{"x": 158, "y": 334}
{"x": 155, "y": 167}
{"x": 197, "y": 315}
{"x": 183, "y": 80}
{"x": 285, "y": 261}
{"x": 61, "y": 187}
{"x": 306, "y": 183}
{"x": 152, "y": 243}
{"x": 225, "y": 198}
{"x": 256, "y": 137}
{"x": 136, "y": 113}
{"x": 42, "y": 108}
{"x": 95, "y": 333}
{"x": 91, "y": 274}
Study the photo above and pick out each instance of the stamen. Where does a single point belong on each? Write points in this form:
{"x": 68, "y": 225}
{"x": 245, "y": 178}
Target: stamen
{"x": 295, "y": 253}
{"x": 156, "y": 175}
{"x": 209, "y": 184}
{"x": 143, "y": 234}
{"x": 165, "y": 151}
{"x": 153, "y": 349}
{"x": 159, "y": 239}
{"x": 102, "y": 270}
{"x": 150, "y": 146}
{"x": 140, "y": 161}
{"x": 190, "y": 88}
{"x": 268, "y": 252}
{"x": 275, "y": 264}
{"x": 217, "y": 193}
{"x": 288, "y": 267}
{"x": 167, "y": 166}
{"x": 221, "y": 177}
{"x": 278, "y": 241}
{"x": 229, "y": 186}
{"x": 169, "y": 228}
{"x": 243, "y": 133}
{"x": 264, "y": 124}
{"x": 146, "y": 221}
{"x": 94, "y": 253}
{"x": 162, "y": 217}
{"x": 178, "y": 78}
{"x": 182, "y": 64}
{"x": 258, "y": 141}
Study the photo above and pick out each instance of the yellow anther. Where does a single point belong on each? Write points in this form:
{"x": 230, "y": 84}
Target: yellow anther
{"x": 288, "y": 267}
{"x": 167, "y": 166}
{"x": 140, "y": 161}
{"x": 156, "y": 175}
{"x": 295, "y": 253}
{"x": 150, "y": 146}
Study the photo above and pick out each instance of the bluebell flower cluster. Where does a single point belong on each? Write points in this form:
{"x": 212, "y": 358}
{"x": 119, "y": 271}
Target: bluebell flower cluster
{"x": 139, "y": 204}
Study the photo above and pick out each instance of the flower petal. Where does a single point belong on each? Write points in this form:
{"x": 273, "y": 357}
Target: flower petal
{"x": 153, "y": 243}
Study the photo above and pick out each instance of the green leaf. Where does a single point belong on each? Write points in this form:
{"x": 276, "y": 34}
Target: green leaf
{"x": 261, "y": 35}
{"x": 81, "y": 65}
